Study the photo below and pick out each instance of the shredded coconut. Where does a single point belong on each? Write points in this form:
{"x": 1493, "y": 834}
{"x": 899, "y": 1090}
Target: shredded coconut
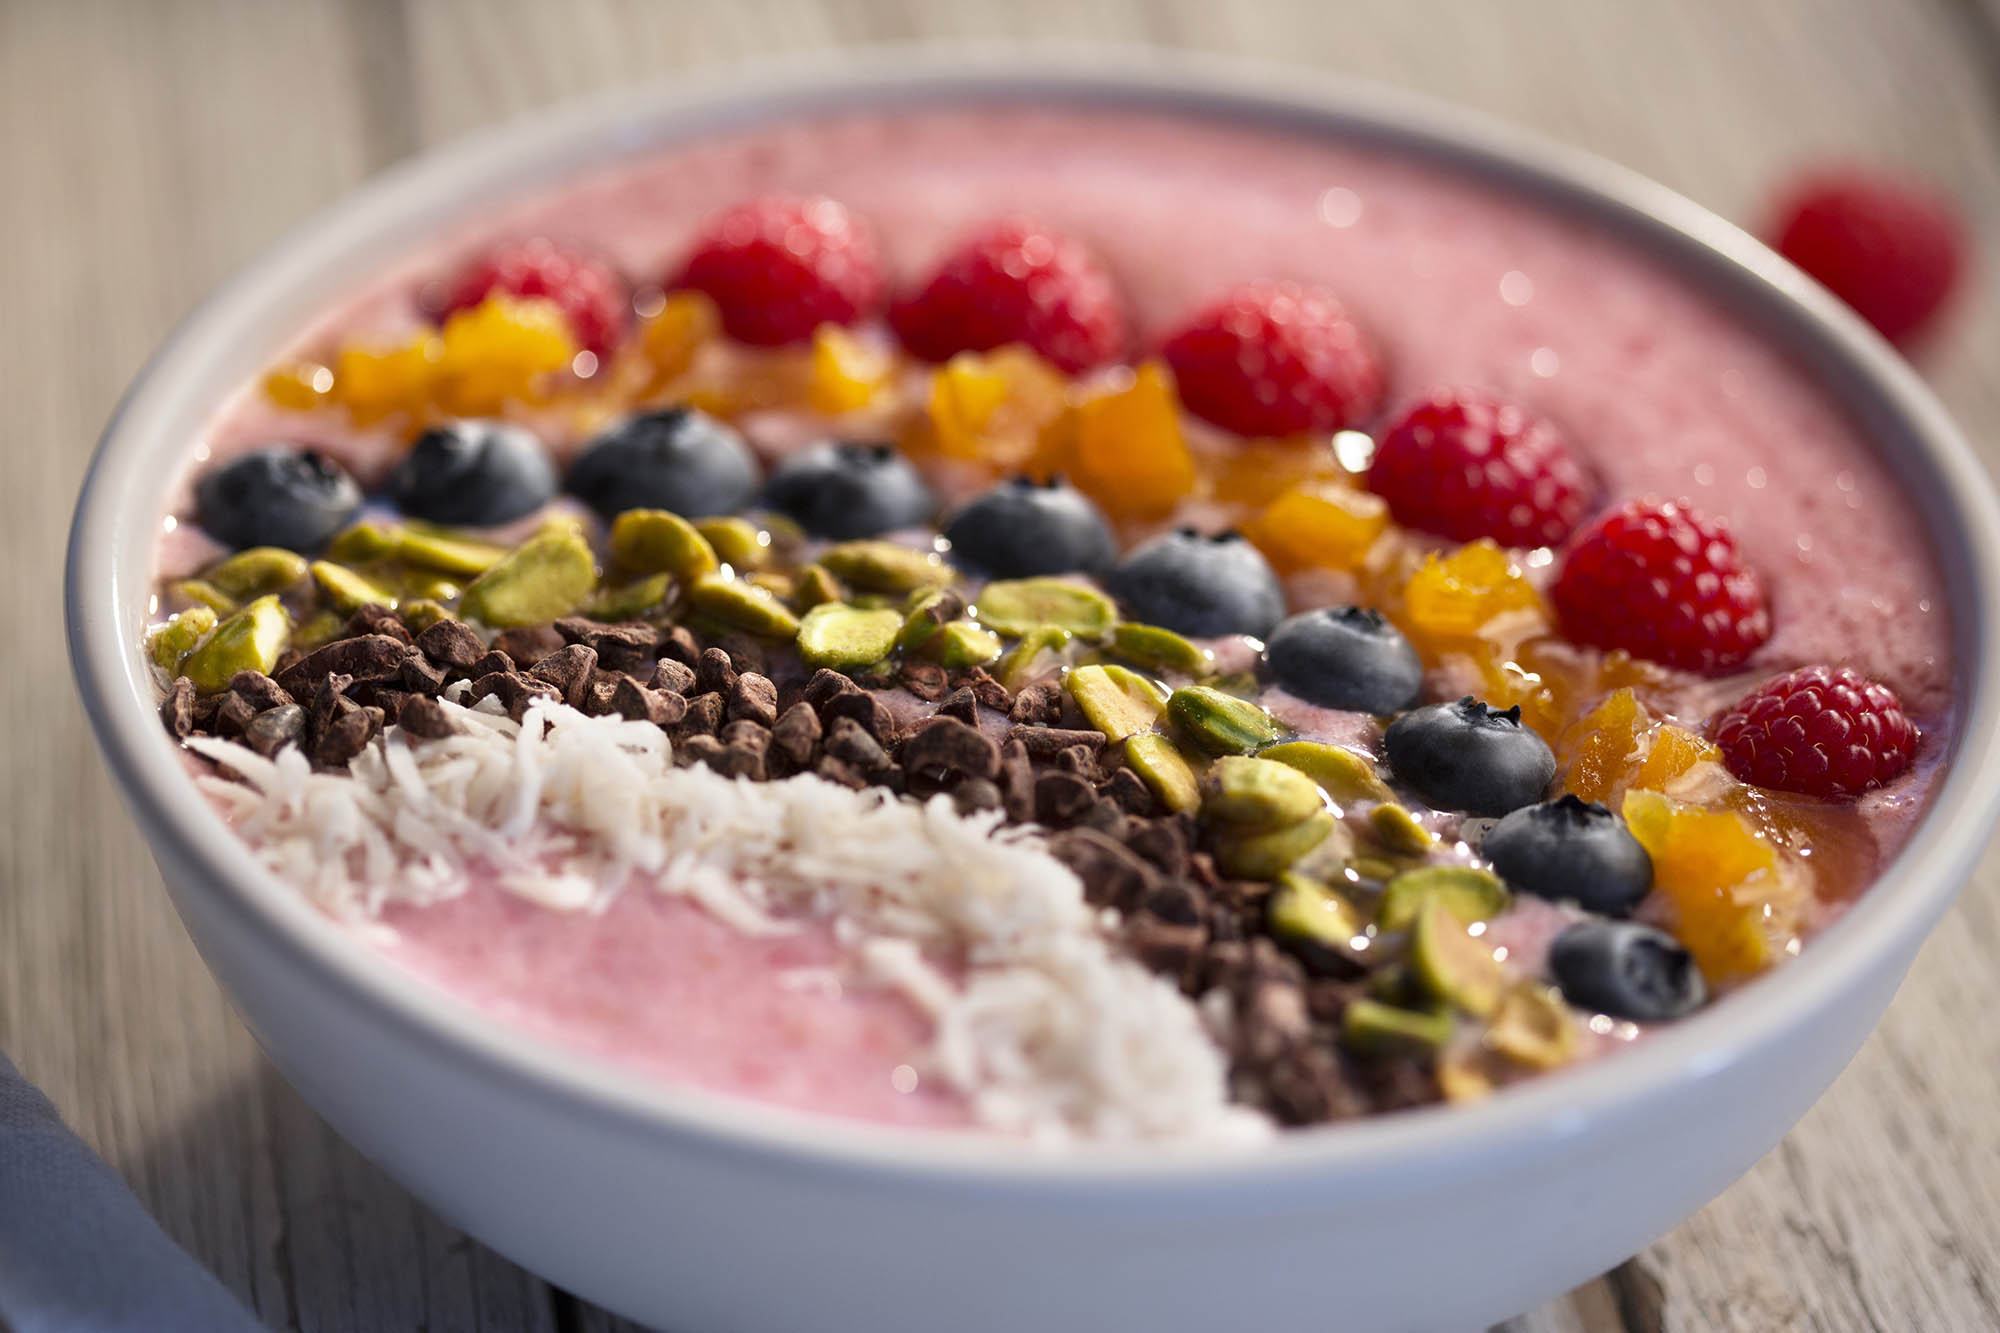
{"x": 1044, "y": 1028}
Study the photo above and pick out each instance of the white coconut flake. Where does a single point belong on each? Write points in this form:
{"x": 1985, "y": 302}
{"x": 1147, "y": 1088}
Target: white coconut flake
{"x": 1043, "y": 1027}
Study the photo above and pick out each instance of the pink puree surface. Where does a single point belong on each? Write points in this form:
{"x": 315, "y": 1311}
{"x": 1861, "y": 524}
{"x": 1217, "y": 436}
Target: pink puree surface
{"x": 1660, "y": 390}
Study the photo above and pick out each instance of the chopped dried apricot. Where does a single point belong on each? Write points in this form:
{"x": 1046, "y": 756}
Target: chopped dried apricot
{"x": 993, "y": 407}
{"x": 1675, "y": 751}
{"x": 1599, "y": 750}
{"x": 376, "y": 383}
{"x": 1455, "y": 597}
{"x": 1733, "y": 904}
{"x": 1128, "y": 453}
{"x": 846, "y": 372}
{"x": 300, "y": 387}
{"x": 500, "y": 351}
{"x": 1257, "y": 472}
{"x": 1318, "y": 525}
{"x": 670, "y": 338}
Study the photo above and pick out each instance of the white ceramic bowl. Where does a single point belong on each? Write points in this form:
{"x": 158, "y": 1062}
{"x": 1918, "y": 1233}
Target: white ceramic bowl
{"x": 696, "y": 1211}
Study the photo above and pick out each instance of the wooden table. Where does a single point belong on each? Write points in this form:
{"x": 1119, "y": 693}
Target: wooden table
{"x": 147, "y": 147}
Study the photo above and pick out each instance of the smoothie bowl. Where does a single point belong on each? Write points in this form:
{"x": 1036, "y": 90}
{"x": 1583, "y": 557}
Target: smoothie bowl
{"x": 959, "y": 693}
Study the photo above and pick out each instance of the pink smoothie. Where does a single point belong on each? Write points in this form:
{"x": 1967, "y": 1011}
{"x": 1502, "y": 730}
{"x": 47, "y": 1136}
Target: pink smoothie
{"x": 1660, "y": 390}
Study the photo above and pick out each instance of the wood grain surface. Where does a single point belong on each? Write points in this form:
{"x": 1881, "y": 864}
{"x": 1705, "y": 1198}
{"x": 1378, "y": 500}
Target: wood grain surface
{"x": 146, "y": 147}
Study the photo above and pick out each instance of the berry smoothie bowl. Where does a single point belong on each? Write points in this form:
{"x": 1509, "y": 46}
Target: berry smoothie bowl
{"x": 773, "y": 695}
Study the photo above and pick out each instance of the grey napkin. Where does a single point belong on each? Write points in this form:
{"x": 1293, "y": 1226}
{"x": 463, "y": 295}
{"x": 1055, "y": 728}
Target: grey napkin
{"x": 77, "y": 1252}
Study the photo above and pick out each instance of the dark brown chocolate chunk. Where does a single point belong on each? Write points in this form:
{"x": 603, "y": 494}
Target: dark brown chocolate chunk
{"x": 746, "y": 653}
{"x": 452, "y": 644}
{"x": 487, "y": 663}
{"x": 275, "y": 728}
{"x": 1017, "y": 782}
{"x": 259, "y": 691}
{"x": 673, "y": 677}
{"x": 420, "y": 675}
{"x": 961, "y": 705}
{"x": 637, "y": 703}
{"x": 944, "y": 745}
{"x": 370, "y": 657}
{"x": 987, "y": 690}
{"x": 1129, "y": 791}
{"x": 569, "y": 668}
{"x": 1171, "y": 948}
{"x": 516, "y": 691}
{"x": 976, "y": 794}
{"x": 626, "y": 646}
{"x": 529, "y": 644}
{"x": 1112, "y": 876}
{"x": 177, "y": 709}
{"x": 703, "y": 716}
{"x": 426, "y": 718}
{"x": 840, "y": 771}
{"x": 232, "y": 716}
{"x": 923, "y": 679}
{"x": 714, "y": 673}
{"x": 745, "y": 734}
{"x": 796, "y": 734}
{"x": 697, "y": 749}
{"x": 735, "y": 761}
{"x": 345, "y": 734}
{"x": 848, "y": 741}
{"x": 375, "y": 618}
{"x": 754, "y": 699}
{"x": 871, "y": 713}
{"x": 603, "y": 688}
{"x": 1038, "y": 705}
{"x": 1177, "y": 901}
{"x": 1165, "y": 842}
{"x": 1105, "y": 817}
{"x": 1047, "y": 742}
{"x": 827, "y": 685}
{"x": 678, "y": 644}
{"x": 1060, "y": 797}
{"x": 1080, "y": 760}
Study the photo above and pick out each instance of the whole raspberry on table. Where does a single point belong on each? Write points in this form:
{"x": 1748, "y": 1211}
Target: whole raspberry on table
{"x": 1665, "y": 583}
{"x": 779, "y": 268}
{"x": 1889, "y": 249}
{"x": 1467, "y": 465}
{"x": 1820, "y": 731}
{"x": 1015, "y": 282}
{"x": 589, "y": 292}
{"x": 1276, "y": 359}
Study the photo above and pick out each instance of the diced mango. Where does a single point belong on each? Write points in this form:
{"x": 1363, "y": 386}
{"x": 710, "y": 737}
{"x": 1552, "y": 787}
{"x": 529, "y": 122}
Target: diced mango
{"x": 846, "y": 372}
{"x": 1675, "y": 751}
{"x": 1599, "y": 750}
{"x": 1128, "y": 453}
{"x": 1318, "y": 525}
{"x": 1732, "y": 906}
{"x": 993, "y": 407}
{"x": 1453, "y": 597}
{"x": 374, "y": 383}
{"x": 300, "y": 387}
{"x": 1257, "y": 472}
{"x": 501, "y": 350}
{"x": 669, "y": 339}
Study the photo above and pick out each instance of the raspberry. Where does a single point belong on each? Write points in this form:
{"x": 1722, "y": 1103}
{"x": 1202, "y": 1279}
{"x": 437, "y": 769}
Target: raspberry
{"x": 1890, "y": 251}
{"x": 1822, "y": 731}
{"x": 1664, "y": 583}
{"x": 589, "y": 292}
{"x": 779, "y": 268}
{"x": 1276, "y": 359}
{"x": 1016, "y": 283}
{"x": 1465, "y": 466}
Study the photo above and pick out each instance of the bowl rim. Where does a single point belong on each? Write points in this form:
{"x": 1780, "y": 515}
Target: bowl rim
{"x": 1947, "y": 484}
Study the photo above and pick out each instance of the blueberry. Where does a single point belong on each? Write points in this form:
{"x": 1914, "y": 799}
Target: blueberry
{"x": 1571, "y": 851}
{"x": 679, "y": 460}
{"x": 474, "y": 474}
{"x": 277, "y": 496}
{"x": 1020, "y": 529}
{"x": 842, "y": 491}
{"x": 1470, "y": 756}
{"x": 1347, "y": 657}
{"x": 1199, "y": 586}
{"x": 1626, "y": 970}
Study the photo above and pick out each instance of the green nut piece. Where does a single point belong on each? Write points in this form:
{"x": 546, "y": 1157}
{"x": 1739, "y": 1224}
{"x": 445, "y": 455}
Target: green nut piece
{"x": 1378, "y": 869}
{"x": 845, "y": 637}
{"x": 1308, "y": 913}
{"x": 653, "y": 541}
{"x": 178, "y": 637}
{"x": 445, "y": 551}
{"x": 629, "y": 601}
{"x": 1468, "y": 893}
{"x": 737, "y": 542}
{"x": 547, "y": 576}
{"x": 347, "y": 590}
{"x": 929, "y": 609}
{"x": 1221, "y": 723}
{"x": 421, "y": 613}
{"x": 1016, "y": 606}
{"x": 1344, "y": 775}
{"x": 876, "y": 566}
{"x": 1250, "y": 794}
{"x": 745, "y": 606}
{"x": 1162, "y": 767}
{"x": 1397, "y": 830}
{"x": 816, "y": 587}
{"x": 1533, "y": 1027}
{"x": 1372, "y": 1028}
{"x": 250, "y": 640}
{"x": 962, "y": 644}
{"x": 1452, "y": 964}
{"x": 363, "y": 543}
{"x": 257, "y": 572}
{"x": 1027, "y": 659}
{"x": 1159, "y": 649}
{"x": 1267, "y": 855}
{"x": 1119, "y": 702}
{"x": 200, "y": 592}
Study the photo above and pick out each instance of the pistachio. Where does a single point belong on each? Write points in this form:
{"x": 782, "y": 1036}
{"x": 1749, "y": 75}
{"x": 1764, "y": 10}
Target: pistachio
{"x": 962, "y": 644}
{"x": 774, "y": 581}
{"x": 347, "y": 590}
{"x": 1016, "y": 606}
{"x": 878, "y": 566}
{"x": 1310, "y": 913}
{"x": 256, "y": 572}
{"x": 445, "y": 551}
{"x": 1344, "y": 775}
{"x": 1469, "y": 893}
{"x": 325, "y": 626}
{"x": 1372, "y": 1028}
{"x": 747, "y": 607}
{"x": 250, "y": 640}
{"x": 653, "y": 541}
{"x": 843, "y": 637}
{"x": 415, "y": 583}
{"x": 1533, "y": 1027}
{"x": 1028, "y": 658}
{"x": 815, "y": 587}
{"x": 1165, "y": 770}
{"x": 421, "y": 613}
{"x": 178, "y": 637}
{"x": 1377, "y": 869}
{"x": 737, "y": 542}
{"x": 1452, "y": 964}
{"x": 629, "y": 601}
{"x": 1397, "y": 830}
{"x": 1160, "y": 649}
{"x": 1465, "y": 1075}
{"x": 1119, "y": 702}
{"x": 364, "y": 542}
{"x": 1269, "y": 854}
{"x": 546, "y": 577}
{"x": 200, "y": 592}
{"x": 1252, "y": 794}
{"x": 929, "y": 609}
{"x": 1220, "y": 723}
